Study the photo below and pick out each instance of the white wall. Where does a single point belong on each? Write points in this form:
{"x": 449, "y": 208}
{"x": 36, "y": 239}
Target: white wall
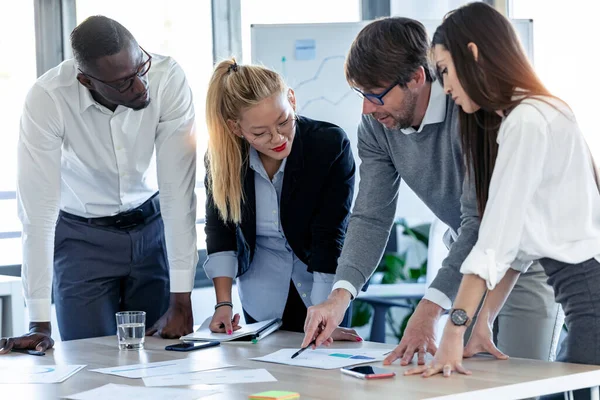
{"x": 424, "y": 9}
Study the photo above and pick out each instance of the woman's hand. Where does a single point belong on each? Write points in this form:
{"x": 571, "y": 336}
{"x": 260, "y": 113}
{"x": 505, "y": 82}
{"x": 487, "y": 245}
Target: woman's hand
{"x": 222, "y": 321}
{"x": 345, "y": 334}
{"x": 481, "y": 341}
{"x": 448, "y": 357}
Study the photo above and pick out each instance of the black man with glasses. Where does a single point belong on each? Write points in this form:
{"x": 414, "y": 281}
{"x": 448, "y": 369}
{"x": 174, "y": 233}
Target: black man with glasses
{"x": 100, "y": 135}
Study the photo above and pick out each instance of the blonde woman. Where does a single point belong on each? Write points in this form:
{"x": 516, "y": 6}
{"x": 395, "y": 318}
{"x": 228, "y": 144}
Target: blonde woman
{"x": 279, "y": 190}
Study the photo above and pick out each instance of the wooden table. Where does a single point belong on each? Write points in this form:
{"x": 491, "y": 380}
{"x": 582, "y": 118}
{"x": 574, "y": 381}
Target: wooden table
{"x": 491, "y": 379}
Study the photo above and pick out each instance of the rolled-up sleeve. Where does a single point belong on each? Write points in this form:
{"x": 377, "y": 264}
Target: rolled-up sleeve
{"x": 221, "y": 264}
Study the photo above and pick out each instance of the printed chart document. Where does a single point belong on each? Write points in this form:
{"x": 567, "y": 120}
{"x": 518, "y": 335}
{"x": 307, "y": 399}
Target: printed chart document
{"x": 162, "y": 368}
{"x": 224, "y": 377}
{"x": 37, "y": 373}
{"x": 324, "y": 359}
{"x": 125, "y": 392}
{"x": 249, "y": 332}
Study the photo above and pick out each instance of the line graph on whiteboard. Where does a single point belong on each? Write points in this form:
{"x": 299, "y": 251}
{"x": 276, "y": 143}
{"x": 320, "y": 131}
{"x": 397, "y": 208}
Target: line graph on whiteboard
{"x": 328, "y": 81}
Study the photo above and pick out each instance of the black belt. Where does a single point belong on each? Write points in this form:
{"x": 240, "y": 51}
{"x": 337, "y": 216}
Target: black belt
{"x": 125, "y": 220}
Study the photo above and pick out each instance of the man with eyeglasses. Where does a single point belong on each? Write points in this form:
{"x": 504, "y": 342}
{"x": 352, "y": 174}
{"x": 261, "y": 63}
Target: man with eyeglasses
{"x": 409, "y": 131}
{"x": 100, "y": 135}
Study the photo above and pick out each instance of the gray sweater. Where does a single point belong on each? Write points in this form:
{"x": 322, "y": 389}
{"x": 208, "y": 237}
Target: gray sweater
{"x": 431, "y": 164}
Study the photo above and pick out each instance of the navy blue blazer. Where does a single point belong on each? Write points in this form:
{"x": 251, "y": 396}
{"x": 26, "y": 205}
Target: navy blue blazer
{"x": 316, "y": 197}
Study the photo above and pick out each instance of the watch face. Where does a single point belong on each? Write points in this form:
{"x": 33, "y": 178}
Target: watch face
{"x": 459, "y": 317}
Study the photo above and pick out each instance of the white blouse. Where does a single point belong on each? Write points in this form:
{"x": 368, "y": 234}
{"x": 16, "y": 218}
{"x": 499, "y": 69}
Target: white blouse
{"x": 543, "y": 199}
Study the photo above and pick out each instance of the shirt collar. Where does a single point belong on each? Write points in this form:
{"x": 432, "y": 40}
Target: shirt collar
{"x": 85, "y": 98}
{"x": 257, "y": 165}
{"x": 436, "y": 109}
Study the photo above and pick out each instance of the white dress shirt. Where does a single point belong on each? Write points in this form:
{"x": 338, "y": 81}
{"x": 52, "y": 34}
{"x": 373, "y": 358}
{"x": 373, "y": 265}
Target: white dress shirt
{"x": 78, "y": 156}
{"x": 543, "y": 198}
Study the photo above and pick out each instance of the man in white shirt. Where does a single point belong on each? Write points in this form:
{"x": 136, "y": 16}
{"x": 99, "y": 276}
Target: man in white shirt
{"x": 100, "y": 134}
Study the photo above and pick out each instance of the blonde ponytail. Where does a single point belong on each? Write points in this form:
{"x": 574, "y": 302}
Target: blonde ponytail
{"x": 232, "y": 89}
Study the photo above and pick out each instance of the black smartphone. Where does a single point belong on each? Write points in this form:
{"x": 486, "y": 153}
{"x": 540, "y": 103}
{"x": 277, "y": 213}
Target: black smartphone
{"x": 368, "y": 372}
{"x": 191, "y": 346}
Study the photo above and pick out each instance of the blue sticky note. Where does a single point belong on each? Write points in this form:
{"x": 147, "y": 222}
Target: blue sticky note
{"x": 306, "y": 49}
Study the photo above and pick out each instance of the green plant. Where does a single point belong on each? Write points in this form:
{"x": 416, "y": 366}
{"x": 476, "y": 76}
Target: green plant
{"x": 393, "y": 268}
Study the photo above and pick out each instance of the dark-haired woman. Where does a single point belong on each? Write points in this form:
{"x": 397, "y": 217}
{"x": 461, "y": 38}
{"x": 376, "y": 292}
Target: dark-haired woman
{"x": 537, "y": 193}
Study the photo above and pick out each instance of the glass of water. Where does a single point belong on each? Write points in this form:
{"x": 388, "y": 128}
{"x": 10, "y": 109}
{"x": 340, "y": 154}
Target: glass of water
{"x": 131, "y": 329}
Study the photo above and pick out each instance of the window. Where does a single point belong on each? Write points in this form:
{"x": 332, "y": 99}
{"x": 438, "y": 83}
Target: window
{"x": 565, "y": 56}
{"x": 290, "y": 12}
{"x": 181, "y": 29}
{"x": 17, "y": 74}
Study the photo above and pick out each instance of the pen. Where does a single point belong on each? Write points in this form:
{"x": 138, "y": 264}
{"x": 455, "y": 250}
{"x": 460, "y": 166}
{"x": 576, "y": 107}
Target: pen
{"x": 296, "y": 354}
{"x": 30, "y": 352}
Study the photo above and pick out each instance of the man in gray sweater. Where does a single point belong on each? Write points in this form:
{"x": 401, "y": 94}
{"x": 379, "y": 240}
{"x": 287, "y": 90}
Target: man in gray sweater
{"x": 409, "y": 131}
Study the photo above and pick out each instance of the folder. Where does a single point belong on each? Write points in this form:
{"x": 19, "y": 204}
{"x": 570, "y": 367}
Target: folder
{"x": 249, "y": 333}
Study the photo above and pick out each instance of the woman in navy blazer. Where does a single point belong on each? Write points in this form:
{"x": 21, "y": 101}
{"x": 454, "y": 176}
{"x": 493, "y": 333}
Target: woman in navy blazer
{"x": 279, "y": 191}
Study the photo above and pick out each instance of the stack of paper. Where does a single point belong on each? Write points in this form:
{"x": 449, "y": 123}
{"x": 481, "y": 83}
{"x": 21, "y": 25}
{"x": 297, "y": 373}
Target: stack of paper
{"x": 224, "y": 377}
{"x": 162, "y": 368}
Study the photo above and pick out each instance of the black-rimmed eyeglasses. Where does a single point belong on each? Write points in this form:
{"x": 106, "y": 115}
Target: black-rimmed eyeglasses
{"x": 376, "y": 98}
{"x": 126, "y": 83}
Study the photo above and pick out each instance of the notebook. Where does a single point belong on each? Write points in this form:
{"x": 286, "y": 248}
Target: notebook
{"x": 248, "y": 333}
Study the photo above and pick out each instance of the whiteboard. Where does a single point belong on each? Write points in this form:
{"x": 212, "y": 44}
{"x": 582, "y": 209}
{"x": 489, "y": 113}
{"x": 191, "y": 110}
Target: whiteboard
{"x": 311, "y": 59}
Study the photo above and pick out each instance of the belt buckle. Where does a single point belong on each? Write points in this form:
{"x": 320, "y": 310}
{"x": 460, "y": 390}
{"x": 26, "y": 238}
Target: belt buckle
{"x": 130, "y": 219}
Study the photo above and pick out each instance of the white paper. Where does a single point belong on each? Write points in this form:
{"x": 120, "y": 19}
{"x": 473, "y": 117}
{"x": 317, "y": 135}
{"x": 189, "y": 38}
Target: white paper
{"x": 224, "y": 377}
{"x": 37, "y": 373}
{"x": 124, "y": 392}
{"x": 324, "y": 359}
{"x": 162, "y": 368}
{"x": 204, "y": 333}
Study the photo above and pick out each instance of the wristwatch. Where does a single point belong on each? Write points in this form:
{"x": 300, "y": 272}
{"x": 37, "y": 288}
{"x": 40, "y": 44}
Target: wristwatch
{"x": 459, "y": 317}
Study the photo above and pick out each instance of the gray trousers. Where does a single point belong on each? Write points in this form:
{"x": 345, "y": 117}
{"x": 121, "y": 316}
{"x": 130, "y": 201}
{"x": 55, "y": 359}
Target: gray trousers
{"x": 99, "y": 271}
{"x": 577, "y": 290}
{"x": 529, "y": 324}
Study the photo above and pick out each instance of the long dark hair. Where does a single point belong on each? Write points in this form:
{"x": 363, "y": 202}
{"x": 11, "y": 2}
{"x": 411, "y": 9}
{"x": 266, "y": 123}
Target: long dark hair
{"x": 499, "y": 79}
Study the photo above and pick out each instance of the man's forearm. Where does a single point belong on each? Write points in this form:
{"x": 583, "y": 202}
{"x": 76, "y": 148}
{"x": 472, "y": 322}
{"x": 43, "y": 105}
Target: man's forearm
{"x": 41, "y": 327}
{"x": 181, "y": 299}
{"x": 430, "y": 309}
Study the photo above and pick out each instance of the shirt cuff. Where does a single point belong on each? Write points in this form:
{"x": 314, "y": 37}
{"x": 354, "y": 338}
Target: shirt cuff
{"x": 438, "y": 297}
{"x": 182, "y": 280}
{"x": 346, "y": 285}
{"x": 221, "y": 264}
{"x": 321, "y": 287}
{"x": 39, "y": 310}
{"x": 484, "y": 264}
